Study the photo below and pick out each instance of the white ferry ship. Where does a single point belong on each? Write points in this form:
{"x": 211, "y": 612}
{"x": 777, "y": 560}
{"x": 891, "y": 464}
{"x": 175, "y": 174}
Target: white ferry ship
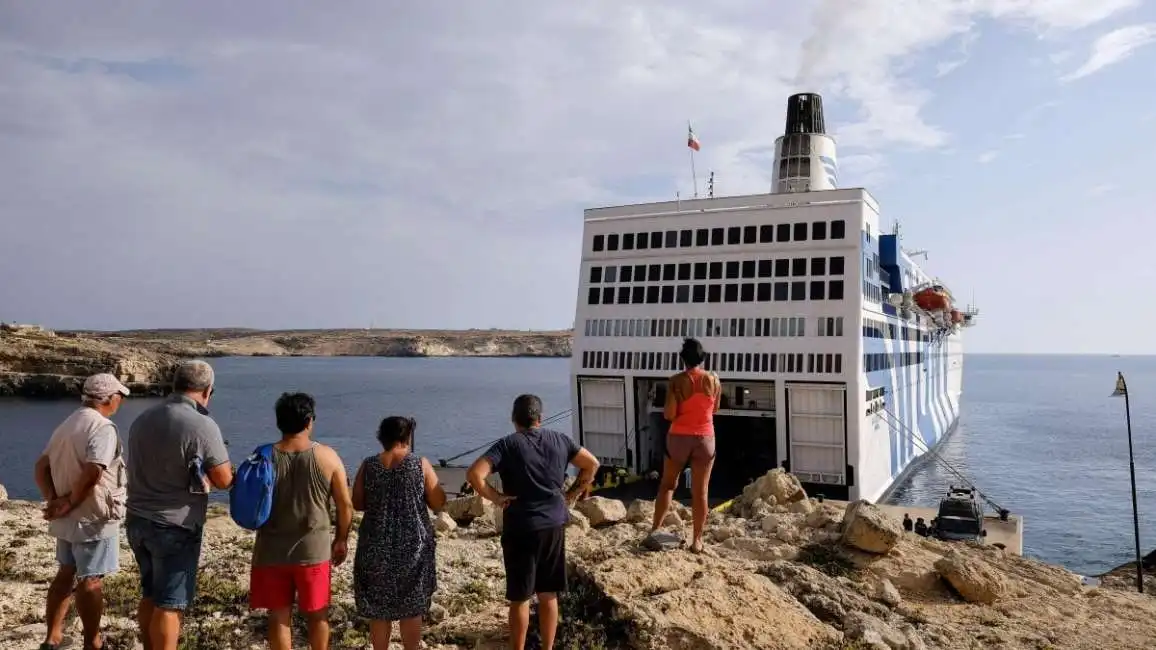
{"x": 846, "y": 389}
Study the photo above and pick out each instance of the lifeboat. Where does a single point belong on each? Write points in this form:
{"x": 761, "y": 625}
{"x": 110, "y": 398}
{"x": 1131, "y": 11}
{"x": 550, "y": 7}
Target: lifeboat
{"x": 933, "y": 299}
{"x": 956, "y": 316}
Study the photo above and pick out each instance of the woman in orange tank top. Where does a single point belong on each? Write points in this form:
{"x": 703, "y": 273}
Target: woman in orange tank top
{"x": 692, "y": 397}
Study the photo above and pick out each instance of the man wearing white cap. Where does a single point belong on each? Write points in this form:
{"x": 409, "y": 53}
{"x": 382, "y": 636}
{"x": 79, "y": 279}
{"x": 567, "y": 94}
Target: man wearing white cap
{"x": 82, "y": 478}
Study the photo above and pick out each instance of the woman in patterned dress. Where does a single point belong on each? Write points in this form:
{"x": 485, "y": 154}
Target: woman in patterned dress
{"x": 395, "y": 569}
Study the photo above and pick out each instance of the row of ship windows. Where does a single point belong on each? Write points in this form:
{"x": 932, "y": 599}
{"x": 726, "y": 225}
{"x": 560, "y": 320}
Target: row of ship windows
{"x": 777, "y": 326}
{"x": 877, "y": 329}
{"x": 873, "y": 361}
{"x": 699, "y": 293}
{"x": 731, "y": 236}
{"x": 731, "y": 270}
{"x": 796, "y": 362}
{"x": 872, "y": 292}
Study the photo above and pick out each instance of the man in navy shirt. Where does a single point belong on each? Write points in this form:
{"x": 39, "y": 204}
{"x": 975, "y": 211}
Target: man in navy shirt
{"x": 532, "y": 465}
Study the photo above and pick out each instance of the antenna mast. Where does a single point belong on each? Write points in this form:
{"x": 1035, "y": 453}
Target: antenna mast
{"x": 710, "y": 186}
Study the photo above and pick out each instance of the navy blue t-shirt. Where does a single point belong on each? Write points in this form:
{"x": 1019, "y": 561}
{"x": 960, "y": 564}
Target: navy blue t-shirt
{"x": 533, "y": 465}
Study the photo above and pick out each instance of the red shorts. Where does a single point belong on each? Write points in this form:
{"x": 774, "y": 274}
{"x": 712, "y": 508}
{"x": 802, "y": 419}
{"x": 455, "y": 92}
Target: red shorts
{"x": 273, "y": 587}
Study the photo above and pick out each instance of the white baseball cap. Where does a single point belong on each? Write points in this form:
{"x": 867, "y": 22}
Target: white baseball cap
{"x": 104, "y": 385}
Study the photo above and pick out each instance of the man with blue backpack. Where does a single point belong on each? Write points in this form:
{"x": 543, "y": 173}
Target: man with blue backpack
{"x": 283, "y": 491}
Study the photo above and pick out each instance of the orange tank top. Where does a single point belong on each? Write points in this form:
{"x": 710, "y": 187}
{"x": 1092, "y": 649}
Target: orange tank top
{"x": 696, "y": 413}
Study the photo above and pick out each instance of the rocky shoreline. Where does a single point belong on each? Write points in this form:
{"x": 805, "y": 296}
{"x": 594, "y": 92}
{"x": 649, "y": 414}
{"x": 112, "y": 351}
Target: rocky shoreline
{"x": 791, "y": 573}
{"x": 40, "y": 363}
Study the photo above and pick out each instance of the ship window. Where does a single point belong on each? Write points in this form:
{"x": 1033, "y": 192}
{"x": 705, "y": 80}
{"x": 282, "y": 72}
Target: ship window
{"x": 837, "y": 265}
{"x": 701, "y": 237}
{"x": 700, "y": 270}
{"x": 767, "y": 327}
{"x": 585, "y": 358}
{"x": 838, "y": 230}
{"x": 818, "y": 266}
{"x": 781, "y": 291}
{"x": 783, "y": 232}
{"x": 800, "y": 233}
{"x": 595, "y": 274}
{"x": 828, "y": 366}
{"x": 624, "y": 295}
{"x": 835, "y": 290}
{"x": 750, "y": 234}
{"x": 630, "y": 326}
{"x": 819, "y": 230}
{"x": 817, "y": 287}
{"x": 617, "y": 327}
{"x": 682, "y": 294}
{"x": 686, "y": 238}
{"x": 654, "y": 326}
{"x": 731, "y": 293}
{"x": 684, "y": 271}
{"x": 838, "y": 363}
{"x": 716, "y": 270}
{"x": 766, "y": 233}
{"x": 798, "y": 291}
{"x": 736, "y": 327}
{"x": 758, "y": 327}
{"x": 792, "y": 327}
{"x": 782, "y": 268}
{"x": 651, "y": 294}
{"x": 732, "y": 270}
{"x": 668, "y": 294}
{"x": 610, "y": 274}
{"x": 747, "y": 293}
{"x": 671, "y": 239}
{"x": 625, "y": 274}
{"x": 592, "y": 296}
{"x": 667, "y": 272}
{"x": 748, "y": 268}
{"x": 655, "y": 272}
{"x": 734, "y": 235}
{"x": 656, "y": 240}
{"x": 716, "y": 236}
{"x": 766, "y": 268}
{"x": 599, "y": 243}
{"x": 640, "y": 273}
{"x": 747, "y": 362}
{"x": 839, "y": 326}
{"x": 811, "y": 362}
{"x": 775, "y": 364}
{"x": 790, "y": 363}
{"x": 698, "y": 293}
{"x": 714, "y": 293}
{"x": 612, "y": 242}
{"x": 764, "y": 292}
{"x": 710, "y": 327}
{"x": 628, "y": 241}
{"x": 799, "y": 266}
{"x": 608, "y": 295}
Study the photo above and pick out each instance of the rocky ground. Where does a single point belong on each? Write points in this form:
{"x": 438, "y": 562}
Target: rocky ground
{"x": 782, "y": 572}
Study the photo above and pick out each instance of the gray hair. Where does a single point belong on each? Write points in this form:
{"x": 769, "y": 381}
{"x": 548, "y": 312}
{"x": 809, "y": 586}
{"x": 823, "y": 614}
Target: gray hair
{"x": 192, "y": 377}
{"x": 93, "y": 402}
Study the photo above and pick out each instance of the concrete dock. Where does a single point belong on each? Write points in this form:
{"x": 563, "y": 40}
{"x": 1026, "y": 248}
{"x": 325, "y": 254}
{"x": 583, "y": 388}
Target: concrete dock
{"x": 1009, "y": 533}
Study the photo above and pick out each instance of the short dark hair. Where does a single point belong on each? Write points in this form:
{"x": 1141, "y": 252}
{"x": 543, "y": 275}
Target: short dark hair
{"x": 294, "y": 412}
{"x": 396, "y": 430}
{"x": 527, "y": 411}
{"x": 692, "y": 353}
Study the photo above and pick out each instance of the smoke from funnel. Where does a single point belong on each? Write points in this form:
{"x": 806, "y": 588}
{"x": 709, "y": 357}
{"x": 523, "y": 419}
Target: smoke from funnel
{"x": 817, "y": 47}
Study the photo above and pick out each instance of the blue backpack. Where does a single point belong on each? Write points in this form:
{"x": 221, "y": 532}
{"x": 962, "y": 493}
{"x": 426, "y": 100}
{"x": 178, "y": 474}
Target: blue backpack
{"x": 251, "y": 498}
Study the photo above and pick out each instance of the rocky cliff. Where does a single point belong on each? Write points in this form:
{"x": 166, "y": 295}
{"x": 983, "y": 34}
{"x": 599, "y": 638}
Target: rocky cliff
{"x": 789, "y": 574}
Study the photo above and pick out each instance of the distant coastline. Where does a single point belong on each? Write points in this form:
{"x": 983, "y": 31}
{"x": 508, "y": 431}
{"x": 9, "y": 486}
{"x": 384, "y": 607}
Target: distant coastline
{"x": 36, "y": 362}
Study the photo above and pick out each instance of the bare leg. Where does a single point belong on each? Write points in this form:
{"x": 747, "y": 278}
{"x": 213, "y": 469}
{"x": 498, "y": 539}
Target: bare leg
{"x": 410, "y": 633}
{"x": 90, "y": 606}
{"x": 547, "y": 619}
{"x": 519, "y": 624}
{"x": 379, "y": 633}
{"x": 279, "y": 633}
{"x": 318, "y": 623}
{"x": 59, "y": 600}
{"x": 165, "y": 628}
{"x": 699, "y": 484}
{"x": 670, "y": 471}
{"x": 144, "y": 618}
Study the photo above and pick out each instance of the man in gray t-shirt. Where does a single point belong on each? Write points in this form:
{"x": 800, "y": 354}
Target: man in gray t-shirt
{"x": 175, "y": 453}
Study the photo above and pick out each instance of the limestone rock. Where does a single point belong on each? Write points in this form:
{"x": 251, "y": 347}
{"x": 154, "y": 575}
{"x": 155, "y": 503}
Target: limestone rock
{"x": 867, "y": 528}
{"x": 801, "y": 507}
{"x": 443, "y": 523}
{"x": 640, "y": 510}
{"x": 577, "y": 521}
{"x": 973, "y": 578}
{"x": 873, "y": 632}
{"x": 463, "y": 510}
{"x": 3, "y": 493}
{"x": 886, "y": 592}
{"x": 601, "y": 511}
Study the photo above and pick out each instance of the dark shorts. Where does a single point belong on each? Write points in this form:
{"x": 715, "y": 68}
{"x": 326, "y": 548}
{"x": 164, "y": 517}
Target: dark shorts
{"x": 167, "y": 556}
{"x": 683, "y": 448}
{"x": 535, "y": 562}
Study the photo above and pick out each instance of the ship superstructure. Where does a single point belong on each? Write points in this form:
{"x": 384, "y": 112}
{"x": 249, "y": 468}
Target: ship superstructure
{"x": 840, "y": 358}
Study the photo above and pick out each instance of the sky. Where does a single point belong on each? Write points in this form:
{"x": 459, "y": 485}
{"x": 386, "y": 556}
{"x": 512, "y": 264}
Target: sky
{"x": 290, "y": 165}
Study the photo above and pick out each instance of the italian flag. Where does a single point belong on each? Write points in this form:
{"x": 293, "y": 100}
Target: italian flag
{"x": 691, "y": 138}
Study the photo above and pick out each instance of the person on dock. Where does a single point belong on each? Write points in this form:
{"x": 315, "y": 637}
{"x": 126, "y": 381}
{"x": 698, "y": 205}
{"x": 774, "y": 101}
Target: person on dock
{"x": 907, "y": 524}
{"x": 691, "y": 402}
{"x": 532, "y": 464}
{"x": 920, "y": 527}
{"x": 295, "y": 551}
{"x": 395, "y": 569}
{"x": 175, "y": 456}
{"x": 81, "y": 477}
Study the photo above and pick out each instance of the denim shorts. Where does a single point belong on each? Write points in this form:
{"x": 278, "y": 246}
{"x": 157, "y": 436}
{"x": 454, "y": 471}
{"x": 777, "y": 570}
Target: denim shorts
{"x": 167, "y": 556}
{"x": 91, "y": 559}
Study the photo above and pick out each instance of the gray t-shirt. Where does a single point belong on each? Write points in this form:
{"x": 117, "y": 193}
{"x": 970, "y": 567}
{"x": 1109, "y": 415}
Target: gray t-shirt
{"x": 85, "y": 437}
{"x": 161, "y": 444}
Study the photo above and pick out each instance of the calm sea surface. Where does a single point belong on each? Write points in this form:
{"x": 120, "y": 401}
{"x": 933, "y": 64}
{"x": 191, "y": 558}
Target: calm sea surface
{"x": 1039, "y": 434}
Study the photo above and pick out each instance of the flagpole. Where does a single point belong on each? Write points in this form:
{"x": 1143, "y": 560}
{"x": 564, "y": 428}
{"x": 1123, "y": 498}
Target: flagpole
{"x": 693, "y": 174}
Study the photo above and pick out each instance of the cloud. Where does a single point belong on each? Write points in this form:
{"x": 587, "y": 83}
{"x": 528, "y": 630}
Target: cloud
{"x": 279, "y": 164}
{"x": 987, "y": 156}
{"x": 963, "y": 53}
{"x": 1112, "y": 48}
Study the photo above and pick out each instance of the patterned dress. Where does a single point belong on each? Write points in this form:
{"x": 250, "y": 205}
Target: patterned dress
{"x": 395, "y": 568}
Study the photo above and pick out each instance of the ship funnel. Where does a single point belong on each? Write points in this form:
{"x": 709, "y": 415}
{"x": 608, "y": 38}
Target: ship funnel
{"x": 805, "y": 155}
